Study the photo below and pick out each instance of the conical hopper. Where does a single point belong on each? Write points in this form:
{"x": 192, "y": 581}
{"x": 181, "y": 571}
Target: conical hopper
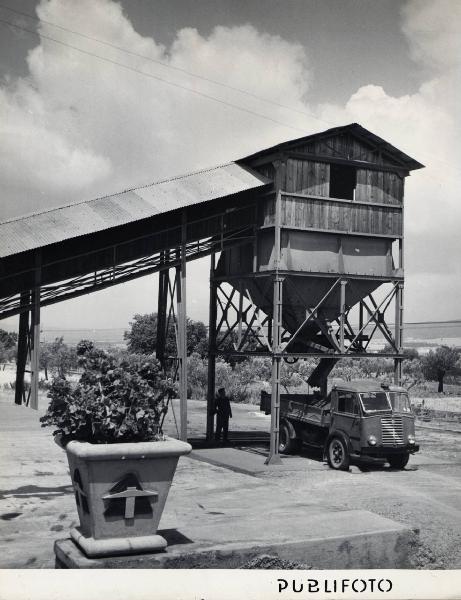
{"x": 311, "y": 264}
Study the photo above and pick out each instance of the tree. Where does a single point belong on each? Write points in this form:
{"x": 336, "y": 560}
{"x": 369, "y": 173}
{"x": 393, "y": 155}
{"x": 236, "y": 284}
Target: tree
{"x": 142, "y": 336}
{"x": 6, "y": 354}
{"x": 8, "y": 339}
{"x": 436, "y": 365}
{"x": 58, "y": 358}
{"x": 408, "y": 353}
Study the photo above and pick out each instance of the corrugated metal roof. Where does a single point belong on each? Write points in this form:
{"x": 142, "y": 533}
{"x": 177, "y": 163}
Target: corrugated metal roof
{"x": 41, "y": 229}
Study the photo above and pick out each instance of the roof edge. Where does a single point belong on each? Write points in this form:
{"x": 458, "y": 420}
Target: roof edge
{"x": 355, "y": 129}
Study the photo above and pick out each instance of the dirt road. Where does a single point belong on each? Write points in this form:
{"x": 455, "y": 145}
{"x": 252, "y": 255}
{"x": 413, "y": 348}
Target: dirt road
{"x": 426, "y": 495}
{"x": 37, "y": 506}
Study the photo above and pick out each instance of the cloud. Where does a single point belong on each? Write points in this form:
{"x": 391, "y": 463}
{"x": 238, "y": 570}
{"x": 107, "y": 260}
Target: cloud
{"x": 78, "y": 127}
{"x": 96, "y": 127}
{"x": 432, "y": 28}
{"x": 424, "y": 124}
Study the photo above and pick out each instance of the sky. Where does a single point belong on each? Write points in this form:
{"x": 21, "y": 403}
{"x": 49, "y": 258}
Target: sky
{"x": 130, "y": 109}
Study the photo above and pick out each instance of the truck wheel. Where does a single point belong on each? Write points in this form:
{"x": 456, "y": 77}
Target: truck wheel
{"x": 398, "y": 461}
{"x": 338, "y": 455}
{"x": 286, "y": 443}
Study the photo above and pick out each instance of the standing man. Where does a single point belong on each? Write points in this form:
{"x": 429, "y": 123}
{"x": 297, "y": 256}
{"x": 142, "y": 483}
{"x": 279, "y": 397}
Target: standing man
{"x": 223, "y": 414}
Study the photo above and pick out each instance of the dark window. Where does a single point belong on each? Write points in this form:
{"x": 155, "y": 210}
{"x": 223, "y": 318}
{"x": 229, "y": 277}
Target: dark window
{"x": 400, "y": 402}
{"x": 343, "y": 180}
{"x": 346, "y": 403}
{"x": 375, "y": 401}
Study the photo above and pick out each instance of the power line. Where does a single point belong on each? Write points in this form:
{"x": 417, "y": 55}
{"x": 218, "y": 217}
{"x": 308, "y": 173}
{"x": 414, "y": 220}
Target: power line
{"x": 168, "y": 66}
{"x": 177, "y": 85}
{"x": 139, "y": 72}
{"x": 181, "y": 70}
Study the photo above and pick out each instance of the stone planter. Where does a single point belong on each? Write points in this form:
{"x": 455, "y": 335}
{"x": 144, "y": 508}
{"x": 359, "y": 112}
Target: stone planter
{"x": 120, "y": 491}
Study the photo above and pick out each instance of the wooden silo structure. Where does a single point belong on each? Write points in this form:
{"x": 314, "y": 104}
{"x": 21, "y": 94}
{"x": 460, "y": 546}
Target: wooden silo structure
{"x": 328, "y": 235}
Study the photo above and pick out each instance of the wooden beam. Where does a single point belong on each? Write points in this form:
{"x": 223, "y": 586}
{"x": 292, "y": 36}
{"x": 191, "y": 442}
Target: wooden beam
{"x": 330, "y": 159}
{"x": 389, "y": 236}
{"x": 343, "y": 200}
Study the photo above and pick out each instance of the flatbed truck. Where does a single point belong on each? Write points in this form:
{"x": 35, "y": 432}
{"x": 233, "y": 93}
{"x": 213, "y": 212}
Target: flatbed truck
{"x": 355, "y": 420}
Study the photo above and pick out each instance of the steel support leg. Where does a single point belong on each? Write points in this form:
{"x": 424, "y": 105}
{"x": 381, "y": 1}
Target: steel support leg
{"x": 23, "y": 347}
{"x": 274, "y": 457}
{"x": 211, "y": 354}
{"x": 182, "y": 336}
{"x": 398, "y": 333}
{"x": 342, "y": 315}
{"x": 162, "y": 308}
{"x": 35, "y": 349}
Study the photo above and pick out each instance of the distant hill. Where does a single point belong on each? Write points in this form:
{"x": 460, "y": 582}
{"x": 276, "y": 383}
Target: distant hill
{"x": 431, "y": 333}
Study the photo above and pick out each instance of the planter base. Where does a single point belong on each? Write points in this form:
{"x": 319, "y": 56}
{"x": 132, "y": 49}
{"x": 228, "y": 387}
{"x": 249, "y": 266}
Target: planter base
{"x": 114, "y": 546}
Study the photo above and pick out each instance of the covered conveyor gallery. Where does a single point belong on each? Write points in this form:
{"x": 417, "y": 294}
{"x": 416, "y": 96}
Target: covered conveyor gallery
{"x": 300, "y": 235}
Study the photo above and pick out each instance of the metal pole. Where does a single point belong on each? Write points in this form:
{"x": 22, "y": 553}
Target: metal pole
{"x": 399, "y": 318}
{"x": 162, "y": 307}
{"x": 274, "y": 457}
{"x": 35, "y": 337}
{"x": 361, "y": 321}
{"x": 342, "y": 315}
{"x": 398, "y": 333}
{"x": 211, "y": 353}
{"x": 182, "y": 331}
{"x": 21, "y": 360}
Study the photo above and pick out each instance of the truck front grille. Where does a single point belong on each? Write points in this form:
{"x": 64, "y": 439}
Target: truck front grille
{"x": 391, "y": 430}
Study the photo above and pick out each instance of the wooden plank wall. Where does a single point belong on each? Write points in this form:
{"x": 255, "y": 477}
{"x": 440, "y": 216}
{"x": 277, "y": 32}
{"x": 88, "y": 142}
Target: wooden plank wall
{"x": 379, "y": 186}
{"x": 306, "y": 213}
{"x": 315, "y": 211}
{"x": 307, "y": 177}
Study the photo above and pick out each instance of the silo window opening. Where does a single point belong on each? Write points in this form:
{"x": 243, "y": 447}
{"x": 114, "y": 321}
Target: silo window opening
{"x": 343, "y": 180}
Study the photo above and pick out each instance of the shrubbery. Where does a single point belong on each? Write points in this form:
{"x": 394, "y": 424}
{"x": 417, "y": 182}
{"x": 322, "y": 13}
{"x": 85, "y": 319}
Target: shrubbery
{"x": 114, "y": 401}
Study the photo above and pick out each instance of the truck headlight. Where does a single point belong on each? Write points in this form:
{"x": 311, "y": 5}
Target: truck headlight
{"x": 372, "y": 440}
{"x": 411, "y": 438}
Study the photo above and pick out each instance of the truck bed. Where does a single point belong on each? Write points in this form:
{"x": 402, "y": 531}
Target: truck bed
{"x": 307, "y": 408}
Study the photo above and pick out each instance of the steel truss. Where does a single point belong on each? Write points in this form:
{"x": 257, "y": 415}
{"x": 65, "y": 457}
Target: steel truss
{"x": 174, "y": 257}
{"x": 239, "y": 328}
{"x": 243, "y": 329}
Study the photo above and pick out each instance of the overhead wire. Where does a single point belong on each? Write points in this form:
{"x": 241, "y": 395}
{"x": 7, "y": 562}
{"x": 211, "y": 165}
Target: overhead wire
{"x": 156, "y": 77}
{"x": 166, "y": 81}
{"x": 168, "y": 65}
{"x": 185, "y": 71}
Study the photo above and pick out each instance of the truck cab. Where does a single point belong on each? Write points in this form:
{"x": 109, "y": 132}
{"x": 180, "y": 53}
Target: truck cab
{"x": 355, "y": 420}
{"x": 367, "y": 419}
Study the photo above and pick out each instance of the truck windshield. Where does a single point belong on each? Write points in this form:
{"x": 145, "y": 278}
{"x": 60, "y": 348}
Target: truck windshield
{"x": 375, "y": 402}
{"x": 400, "y": 402}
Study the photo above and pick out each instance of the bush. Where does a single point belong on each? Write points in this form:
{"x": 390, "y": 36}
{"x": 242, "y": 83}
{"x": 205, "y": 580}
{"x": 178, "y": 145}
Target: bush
{"x": 113, "y": 402}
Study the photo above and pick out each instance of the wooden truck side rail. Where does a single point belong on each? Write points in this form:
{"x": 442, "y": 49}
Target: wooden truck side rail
{"x": 305, "y": 408}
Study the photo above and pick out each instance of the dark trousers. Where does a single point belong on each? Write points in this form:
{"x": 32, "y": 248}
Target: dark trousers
{"x": 222, "y": 425}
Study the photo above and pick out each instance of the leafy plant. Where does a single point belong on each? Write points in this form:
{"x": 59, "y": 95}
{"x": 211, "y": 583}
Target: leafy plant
{"x": 115, "y": 401}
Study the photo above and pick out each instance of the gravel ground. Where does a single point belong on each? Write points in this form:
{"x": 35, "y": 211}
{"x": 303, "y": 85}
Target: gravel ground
{"x": 425, "y": 496}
